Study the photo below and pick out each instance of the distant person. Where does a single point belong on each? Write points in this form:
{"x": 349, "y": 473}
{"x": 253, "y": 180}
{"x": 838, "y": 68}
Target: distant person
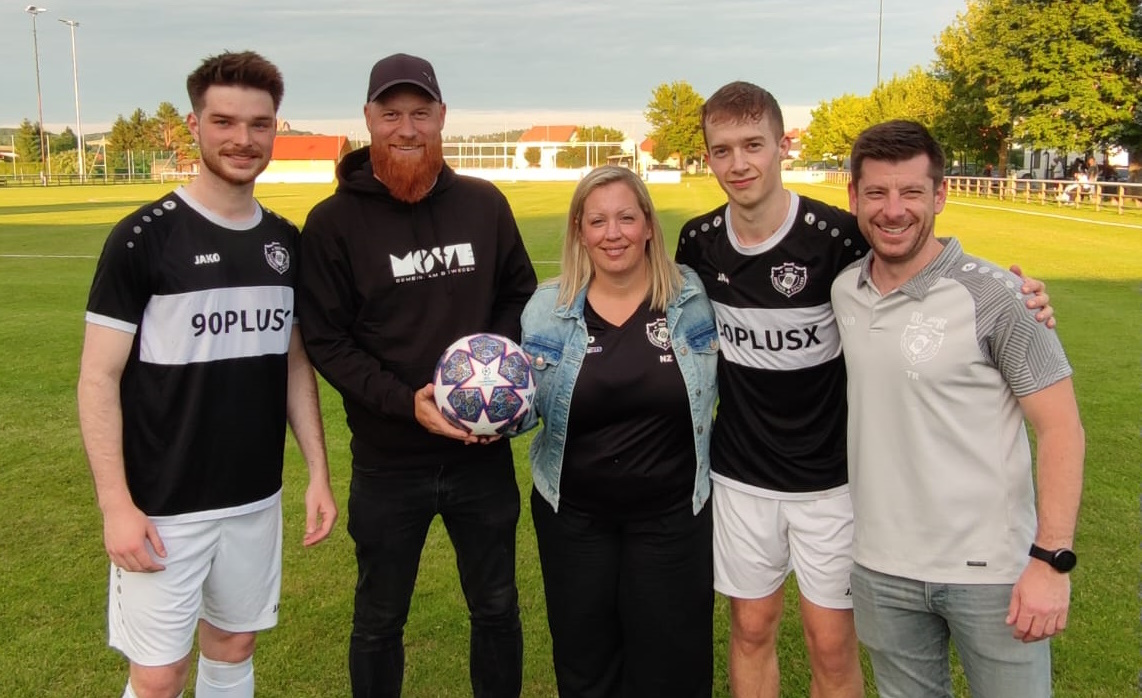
{"x": 1092, "y": 170}
{"x": 192, "y": 363}
{"x": 987, "y": 170}
{"x": 1076, "y": 189}
{"x": 403, "y": 259}
{"x": 780, "y": 481}
{"x": 1079, "y": 165}
{"x": 945, "y": 362}
{"x": 625, "y": 352}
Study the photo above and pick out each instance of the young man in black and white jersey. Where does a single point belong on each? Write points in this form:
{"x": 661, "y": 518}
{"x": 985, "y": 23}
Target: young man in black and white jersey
{"x": 192, "y": 364}
{"x": 780, "y": 485}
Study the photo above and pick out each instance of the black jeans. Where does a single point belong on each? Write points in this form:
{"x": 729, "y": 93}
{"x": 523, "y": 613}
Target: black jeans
{"x": 630, "y": 604}
{"x": 389, "y": 514}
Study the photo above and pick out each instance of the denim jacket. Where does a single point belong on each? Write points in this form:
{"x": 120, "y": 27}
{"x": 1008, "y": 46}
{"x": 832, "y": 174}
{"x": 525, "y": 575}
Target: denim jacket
{"x": 556, "y": 339}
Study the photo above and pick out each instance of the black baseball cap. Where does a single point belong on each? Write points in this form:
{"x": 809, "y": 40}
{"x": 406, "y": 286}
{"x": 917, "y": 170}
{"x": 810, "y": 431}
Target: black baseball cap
{"x": 399, "y": 69}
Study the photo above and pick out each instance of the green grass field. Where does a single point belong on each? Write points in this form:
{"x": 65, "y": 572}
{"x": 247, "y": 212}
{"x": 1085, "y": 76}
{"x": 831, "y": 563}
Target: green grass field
{"x": 53, "y": 569}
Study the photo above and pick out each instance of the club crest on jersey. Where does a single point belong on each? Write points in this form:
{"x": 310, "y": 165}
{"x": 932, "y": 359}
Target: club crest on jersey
{"x": 921, "y": 339}
{"x": 658, "y": 334}
{"x": 277, "y": 257}
{"x": 789, "y": 278}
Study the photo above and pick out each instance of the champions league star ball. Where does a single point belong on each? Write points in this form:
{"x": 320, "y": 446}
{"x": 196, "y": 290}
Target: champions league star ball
{"x": 483, "y": 383}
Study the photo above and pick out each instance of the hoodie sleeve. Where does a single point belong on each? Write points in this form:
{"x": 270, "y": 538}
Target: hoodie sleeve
{"x": 328, "y": 306}
{"x": 515, "y": 275}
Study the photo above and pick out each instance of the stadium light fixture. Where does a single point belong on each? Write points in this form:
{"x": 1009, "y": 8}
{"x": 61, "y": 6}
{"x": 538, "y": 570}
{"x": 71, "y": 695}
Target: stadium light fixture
{"x": 72, "y": 24}
{"x": 34, "y": 11}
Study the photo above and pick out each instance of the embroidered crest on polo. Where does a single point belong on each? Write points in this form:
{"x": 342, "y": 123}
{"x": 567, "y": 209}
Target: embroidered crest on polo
{"x": 658, "y": 334}
{"x": 277, "y": 257}
{"x": 789, "y": 278}
{"x": 922, "y": 337}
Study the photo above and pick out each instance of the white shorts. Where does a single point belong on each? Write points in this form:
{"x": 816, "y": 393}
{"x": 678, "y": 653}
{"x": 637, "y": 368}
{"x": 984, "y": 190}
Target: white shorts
{"x": 759, "y": 540}
{"x": 226, "y": 571}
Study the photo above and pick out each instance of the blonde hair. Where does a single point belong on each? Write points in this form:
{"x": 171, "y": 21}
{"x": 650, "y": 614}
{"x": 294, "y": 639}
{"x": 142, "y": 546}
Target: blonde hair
{"x": 575, "y": 265}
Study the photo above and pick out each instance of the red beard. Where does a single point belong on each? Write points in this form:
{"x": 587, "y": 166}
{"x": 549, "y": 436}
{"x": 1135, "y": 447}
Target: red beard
{"x": 408, "y": 179}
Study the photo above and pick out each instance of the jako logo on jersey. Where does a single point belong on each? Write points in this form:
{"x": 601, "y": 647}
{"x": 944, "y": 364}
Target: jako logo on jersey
{"x": 772, "y": 340}
{"x": 789, "y": 278}
{"x": 277, "y": 257}
{"x": 921, "y": 339}
{"x": 211, "y": 258}
{"x": 430, "y": 263}
{"x": 227, "y": 321}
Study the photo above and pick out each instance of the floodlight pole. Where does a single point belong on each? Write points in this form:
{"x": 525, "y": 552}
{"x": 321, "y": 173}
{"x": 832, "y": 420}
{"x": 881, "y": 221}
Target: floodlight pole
{"x": 879, "y": 39}
{"x": 72, "y": 24}
{"x": 33, "y": 11}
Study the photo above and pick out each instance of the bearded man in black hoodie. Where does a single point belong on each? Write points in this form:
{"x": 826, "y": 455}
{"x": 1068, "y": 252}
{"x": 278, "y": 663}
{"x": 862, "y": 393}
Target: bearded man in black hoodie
{"x": 406, "y": 257}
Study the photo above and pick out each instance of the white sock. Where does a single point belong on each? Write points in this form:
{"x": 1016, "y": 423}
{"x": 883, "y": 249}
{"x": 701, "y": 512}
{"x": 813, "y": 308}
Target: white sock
{"x": 223, "y": 679}
{"x": 130, "y": 692}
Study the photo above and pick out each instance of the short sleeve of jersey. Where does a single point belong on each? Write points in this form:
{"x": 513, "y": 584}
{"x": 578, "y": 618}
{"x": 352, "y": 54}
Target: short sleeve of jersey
{"x": 686, "y": 254}
{"x": 1029, "y": 356}
{"x": 122, "y": 284}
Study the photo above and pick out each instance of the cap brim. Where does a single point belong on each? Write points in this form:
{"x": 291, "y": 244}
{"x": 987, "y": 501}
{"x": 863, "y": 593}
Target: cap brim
{"x": 381, "y": 90}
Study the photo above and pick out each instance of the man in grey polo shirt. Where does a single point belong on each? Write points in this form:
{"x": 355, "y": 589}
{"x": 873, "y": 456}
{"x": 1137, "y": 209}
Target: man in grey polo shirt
{"x": 944, "y": 363}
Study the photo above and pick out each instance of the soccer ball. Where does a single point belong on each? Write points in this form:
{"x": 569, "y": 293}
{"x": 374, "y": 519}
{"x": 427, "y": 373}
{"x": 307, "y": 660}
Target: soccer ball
{"x": 483, "y": 383}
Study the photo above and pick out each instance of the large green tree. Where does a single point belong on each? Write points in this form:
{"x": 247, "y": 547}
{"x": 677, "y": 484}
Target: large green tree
{"x": 28, "y": 142}
{"x": 169, "y": 128}
{"x": 834, "y": 126}
{"x": 916, "y": 95}
{"x": 675, "y": 117}
{"x": 1045, "y": 73}
{"x": 133, "y": 133}
{"x": 66, "y": 140}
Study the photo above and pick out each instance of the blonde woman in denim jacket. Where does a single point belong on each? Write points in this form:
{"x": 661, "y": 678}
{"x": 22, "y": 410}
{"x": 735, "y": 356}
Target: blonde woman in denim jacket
{"x": 624, "y": 348}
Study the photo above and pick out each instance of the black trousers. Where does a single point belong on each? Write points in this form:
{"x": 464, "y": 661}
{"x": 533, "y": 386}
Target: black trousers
{"x": 389, "y": 514}
{"x": 630, "y": 604}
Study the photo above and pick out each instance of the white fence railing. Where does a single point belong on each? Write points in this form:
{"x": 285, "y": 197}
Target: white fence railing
{"x": 1119, "y": 196}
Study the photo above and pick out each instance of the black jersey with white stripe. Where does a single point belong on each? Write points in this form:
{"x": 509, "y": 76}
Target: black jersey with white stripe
{"x": 780, "y": 424}
{"x": 203, "y": 393}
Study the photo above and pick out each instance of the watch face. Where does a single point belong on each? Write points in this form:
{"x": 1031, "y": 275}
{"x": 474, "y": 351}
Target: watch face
{"x": 1064, "y": 560}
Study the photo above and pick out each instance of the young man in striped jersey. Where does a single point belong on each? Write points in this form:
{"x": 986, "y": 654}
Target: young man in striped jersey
{"x": 192, "y": 364}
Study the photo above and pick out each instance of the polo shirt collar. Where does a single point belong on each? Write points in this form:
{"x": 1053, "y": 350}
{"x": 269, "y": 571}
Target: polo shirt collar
{"x": 918, "y": 286}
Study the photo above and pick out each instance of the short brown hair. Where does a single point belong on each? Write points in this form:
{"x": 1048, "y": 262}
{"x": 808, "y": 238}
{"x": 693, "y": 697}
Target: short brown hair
{"x": 243, "y": 69}
{"x": 896, "y": 141}
{"x": 740, "y": 102}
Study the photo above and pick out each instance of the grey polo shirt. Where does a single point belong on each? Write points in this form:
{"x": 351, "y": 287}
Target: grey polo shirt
{"x": 939, "y": 461}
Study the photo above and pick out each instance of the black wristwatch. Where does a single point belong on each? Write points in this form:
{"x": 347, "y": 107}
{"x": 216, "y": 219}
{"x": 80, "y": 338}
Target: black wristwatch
{"x": 1063, "y": 559}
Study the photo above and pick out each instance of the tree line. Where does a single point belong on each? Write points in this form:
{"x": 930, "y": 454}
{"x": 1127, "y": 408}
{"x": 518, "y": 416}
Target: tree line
{"x": 1042, "y": 74}
{"x": 164, "y": 131}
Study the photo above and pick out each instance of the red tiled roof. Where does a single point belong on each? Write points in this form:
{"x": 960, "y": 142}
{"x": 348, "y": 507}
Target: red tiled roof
{"x": 548, "y": 134}
{"x": 310, "y": 147}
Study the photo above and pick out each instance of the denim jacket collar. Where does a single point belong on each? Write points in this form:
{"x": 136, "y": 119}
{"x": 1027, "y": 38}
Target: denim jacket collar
{"x": 574, "y": 309}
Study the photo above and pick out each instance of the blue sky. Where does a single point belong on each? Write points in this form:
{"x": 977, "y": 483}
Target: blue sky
{"x": 504, "y": 64}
